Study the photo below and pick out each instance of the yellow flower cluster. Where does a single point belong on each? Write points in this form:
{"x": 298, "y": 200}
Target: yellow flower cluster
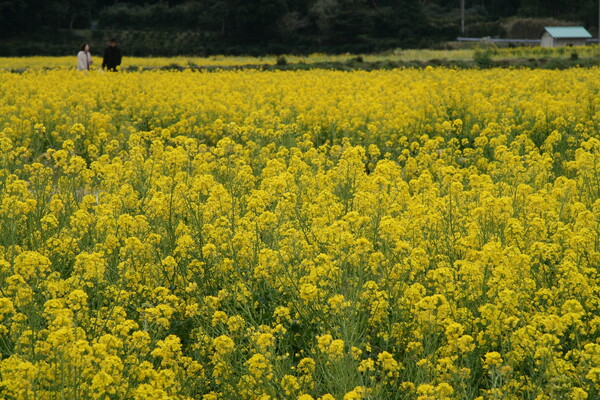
{"x": 406, "y": 234}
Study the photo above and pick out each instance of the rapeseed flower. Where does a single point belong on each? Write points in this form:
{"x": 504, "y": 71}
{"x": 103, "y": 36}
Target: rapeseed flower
{"x": 425, "y": 234}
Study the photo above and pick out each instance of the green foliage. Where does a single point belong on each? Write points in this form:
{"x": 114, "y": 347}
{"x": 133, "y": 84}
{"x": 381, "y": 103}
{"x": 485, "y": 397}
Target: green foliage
{"x": 287, "y": 26}
{"x": 483, "y": 58}
{"x": 484, "y": 29}
{"x": 152, "y": 17}
{"x": 281, "y": 60}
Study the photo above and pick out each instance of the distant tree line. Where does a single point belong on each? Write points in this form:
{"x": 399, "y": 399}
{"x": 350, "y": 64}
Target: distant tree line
{"x": 371, "y": 24}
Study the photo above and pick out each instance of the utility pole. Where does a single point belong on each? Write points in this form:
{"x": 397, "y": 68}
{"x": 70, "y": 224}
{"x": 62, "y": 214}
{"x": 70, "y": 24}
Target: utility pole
{"x": 462, "y": 17}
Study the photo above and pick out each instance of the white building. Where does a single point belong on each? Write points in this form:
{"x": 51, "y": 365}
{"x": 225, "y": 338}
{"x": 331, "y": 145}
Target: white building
{"x": 556, "y": 36}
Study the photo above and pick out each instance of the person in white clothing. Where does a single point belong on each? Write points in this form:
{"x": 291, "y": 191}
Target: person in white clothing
{"x": 84, "y": 58}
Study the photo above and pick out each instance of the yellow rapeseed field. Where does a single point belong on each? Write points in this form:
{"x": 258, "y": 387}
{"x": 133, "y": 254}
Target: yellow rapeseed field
{"x": 405, "y": 234}
{"x": 399, "y": 55}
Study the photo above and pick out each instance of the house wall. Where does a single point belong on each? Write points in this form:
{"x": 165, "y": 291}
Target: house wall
{"x": 569, "y": 42}
{"x": 547, "y": 40}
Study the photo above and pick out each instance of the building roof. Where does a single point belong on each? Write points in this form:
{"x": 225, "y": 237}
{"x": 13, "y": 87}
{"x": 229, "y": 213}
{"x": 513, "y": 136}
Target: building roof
{"x": 568, "y": 32}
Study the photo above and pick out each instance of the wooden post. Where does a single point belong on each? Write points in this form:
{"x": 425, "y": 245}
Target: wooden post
{"x": 462, "y": 17}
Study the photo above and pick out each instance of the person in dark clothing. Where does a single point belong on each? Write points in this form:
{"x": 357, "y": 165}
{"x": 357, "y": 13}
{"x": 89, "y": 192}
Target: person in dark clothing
{"x": 112, "y": 56}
